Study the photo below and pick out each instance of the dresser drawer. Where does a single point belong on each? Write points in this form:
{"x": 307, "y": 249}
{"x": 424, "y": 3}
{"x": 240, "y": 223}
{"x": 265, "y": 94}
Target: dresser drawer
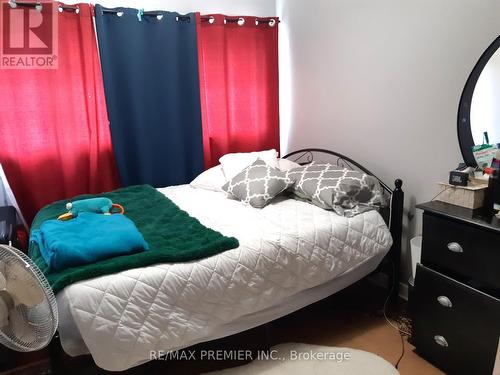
{"x": 461, "y": 250}
{"x": 455, "y": 327}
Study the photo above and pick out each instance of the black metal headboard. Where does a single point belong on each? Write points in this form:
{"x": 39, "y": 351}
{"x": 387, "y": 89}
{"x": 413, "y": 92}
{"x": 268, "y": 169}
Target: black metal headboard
{"x": 393, "y": 215}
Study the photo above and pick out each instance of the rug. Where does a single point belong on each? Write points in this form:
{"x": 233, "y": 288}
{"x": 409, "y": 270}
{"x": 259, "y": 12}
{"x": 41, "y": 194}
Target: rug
{"x": 298, "y": 359}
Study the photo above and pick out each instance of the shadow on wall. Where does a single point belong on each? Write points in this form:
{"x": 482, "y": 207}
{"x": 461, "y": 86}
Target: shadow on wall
{"x": 285, "y": 83}
{"x": 43, "y": 180}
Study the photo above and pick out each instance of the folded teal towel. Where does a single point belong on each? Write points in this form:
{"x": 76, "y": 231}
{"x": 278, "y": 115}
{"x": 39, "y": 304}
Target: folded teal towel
{"x": 86, "y": 239}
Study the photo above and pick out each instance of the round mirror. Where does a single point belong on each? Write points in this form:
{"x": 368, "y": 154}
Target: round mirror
{"x": 479, "y": 109}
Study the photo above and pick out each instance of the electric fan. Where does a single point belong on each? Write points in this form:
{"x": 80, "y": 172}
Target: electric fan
{"x": 28, "y": 309}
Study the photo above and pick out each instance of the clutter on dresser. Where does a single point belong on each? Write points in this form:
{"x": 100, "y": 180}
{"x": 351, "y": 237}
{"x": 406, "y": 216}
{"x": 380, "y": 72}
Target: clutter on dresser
{"x": 492, "y": 197}
{"x": 484, "y": 153}
{"x": 487, "y": 157}
{"x": 460, "y": 176}
{"x": 477, "y": 187}
{"x": 470, "y": 196}
{"x": 489, "y": 174}
{"x": 463, "y": 188}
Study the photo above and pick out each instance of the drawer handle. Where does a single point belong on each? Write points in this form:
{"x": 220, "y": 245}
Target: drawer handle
{"x": 440, "y": 340}
{"x": 455, "y": 247}
{"x": 444, "y": 301}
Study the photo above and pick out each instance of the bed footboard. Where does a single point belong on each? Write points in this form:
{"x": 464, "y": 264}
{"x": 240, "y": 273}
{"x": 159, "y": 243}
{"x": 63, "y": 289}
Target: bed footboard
{"x": 393, "y": 215}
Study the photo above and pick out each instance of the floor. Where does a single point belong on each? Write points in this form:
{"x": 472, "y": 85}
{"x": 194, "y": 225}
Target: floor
{"x": 352, "y": 318}
{"x": 358, "y": 326}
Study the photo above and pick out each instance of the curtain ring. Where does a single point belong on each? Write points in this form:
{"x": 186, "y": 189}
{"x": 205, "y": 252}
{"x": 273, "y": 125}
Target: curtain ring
{"x": 241, "y": 21}
{"x": 13, "y": 4}
{"x": 183, "y": 18}
{"x": 272, "y": 22}
{"x": 211, "y": 20}
{"x": 159, "y": 17}
{"x": 119, "y": 14}
{"x": 76, "y": 9}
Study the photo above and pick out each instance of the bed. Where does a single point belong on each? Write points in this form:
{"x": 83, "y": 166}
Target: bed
{"x": 291, "y": 254}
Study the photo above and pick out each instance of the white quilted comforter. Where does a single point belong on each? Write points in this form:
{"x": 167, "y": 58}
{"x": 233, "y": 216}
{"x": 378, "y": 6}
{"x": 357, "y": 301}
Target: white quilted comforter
{"x": 285, "y": 248}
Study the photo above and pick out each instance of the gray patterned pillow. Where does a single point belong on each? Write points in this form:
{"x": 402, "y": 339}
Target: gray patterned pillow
{"x": 345, "y": 191}
{"x": 257, "y": 184}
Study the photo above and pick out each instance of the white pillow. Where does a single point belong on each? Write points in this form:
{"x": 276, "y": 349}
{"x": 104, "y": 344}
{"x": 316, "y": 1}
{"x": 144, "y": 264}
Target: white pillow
{"x": 211, "y": 179}
{"x": 232, "y": 164}
{"x": 285, "y": 165}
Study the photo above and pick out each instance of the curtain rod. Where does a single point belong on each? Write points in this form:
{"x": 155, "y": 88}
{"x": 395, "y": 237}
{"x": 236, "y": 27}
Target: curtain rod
{"x": 39, "y": 6}
{"x": 154, "y": 13}
{"x": 239, "y": 20}
{"x": 14, "y": 4}
{"x": 210, "y": 19}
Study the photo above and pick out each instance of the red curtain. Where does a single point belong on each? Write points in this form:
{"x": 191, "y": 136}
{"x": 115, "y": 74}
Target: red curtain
{"x": 54, "y": 132}
{"x": 239, "y": 84}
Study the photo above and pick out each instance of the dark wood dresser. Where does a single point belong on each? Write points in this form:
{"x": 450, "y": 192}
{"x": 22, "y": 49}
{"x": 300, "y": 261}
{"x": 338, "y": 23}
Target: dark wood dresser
{"x": 456, "y": 300}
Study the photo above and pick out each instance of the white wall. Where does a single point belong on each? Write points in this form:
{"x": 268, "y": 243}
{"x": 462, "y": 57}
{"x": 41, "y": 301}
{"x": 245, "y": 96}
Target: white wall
{"x": 261, "y": 8}
{"x": 381, "y": 81}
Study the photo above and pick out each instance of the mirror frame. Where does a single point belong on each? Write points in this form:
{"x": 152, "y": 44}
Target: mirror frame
{"x": 465, "y": 139}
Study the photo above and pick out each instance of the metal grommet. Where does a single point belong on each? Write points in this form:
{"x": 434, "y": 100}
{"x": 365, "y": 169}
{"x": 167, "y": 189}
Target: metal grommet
{"x": 241, "y": 21}
{"x": 61, "y": 9}
{"x": 119, "y": 14}
{"x": 159, "y": 17}
{"x": 13, "y": 4}
{"x": 272, "y": 22}
{"x": 38, "y": 7}
{"x": 225, "y": 21}
{"x": 256, "y": 22}
{"x": 183, "y": 18}
{"x": 211, "y": 20}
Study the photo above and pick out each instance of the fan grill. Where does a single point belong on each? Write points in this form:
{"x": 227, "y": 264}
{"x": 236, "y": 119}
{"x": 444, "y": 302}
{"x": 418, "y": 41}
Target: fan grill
{"x": 35, "y": 325}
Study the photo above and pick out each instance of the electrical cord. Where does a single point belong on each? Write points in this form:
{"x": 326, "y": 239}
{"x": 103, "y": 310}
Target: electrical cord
{"x": 387, "y": 301}
{"x": 400, "y": 331}
{"x": 441, "y": 192}
{"x": 402, "y": 351}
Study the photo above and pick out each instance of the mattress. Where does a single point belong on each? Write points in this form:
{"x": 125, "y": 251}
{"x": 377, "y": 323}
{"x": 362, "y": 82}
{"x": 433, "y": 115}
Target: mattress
{"x": 291, "y": 254}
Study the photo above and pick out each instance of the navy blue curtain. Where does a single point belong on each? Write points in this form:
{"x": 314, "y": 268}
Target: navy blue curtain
{"x": 150, "y": 69}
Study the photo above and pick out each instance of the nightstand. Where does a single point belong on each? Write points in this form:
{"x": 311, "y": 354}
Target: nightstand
{"x": 456, "y": 300}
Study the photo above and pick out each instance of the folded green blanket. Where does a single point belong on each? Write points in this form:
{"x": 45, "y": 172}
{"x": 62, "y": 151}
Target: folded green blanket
{"x": 172, "y": 235}
{"x": 86, "y": 239}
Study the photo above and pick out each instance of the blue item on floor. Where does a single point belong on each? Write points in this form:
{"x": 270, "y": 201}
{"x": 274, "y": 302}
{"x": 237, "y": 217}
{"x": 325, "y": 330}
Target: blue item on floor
{"x": 86, "y": 239}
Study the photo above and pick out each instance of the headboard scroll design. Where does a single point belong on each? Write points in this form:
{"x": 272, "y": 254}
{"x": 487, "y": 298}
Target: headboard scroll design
{"x": 308, "y": 155}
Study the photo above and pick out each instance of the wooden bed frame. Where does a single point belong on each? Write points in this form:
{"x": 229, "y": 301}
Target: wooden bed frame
{"x": 393, "y": 216}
